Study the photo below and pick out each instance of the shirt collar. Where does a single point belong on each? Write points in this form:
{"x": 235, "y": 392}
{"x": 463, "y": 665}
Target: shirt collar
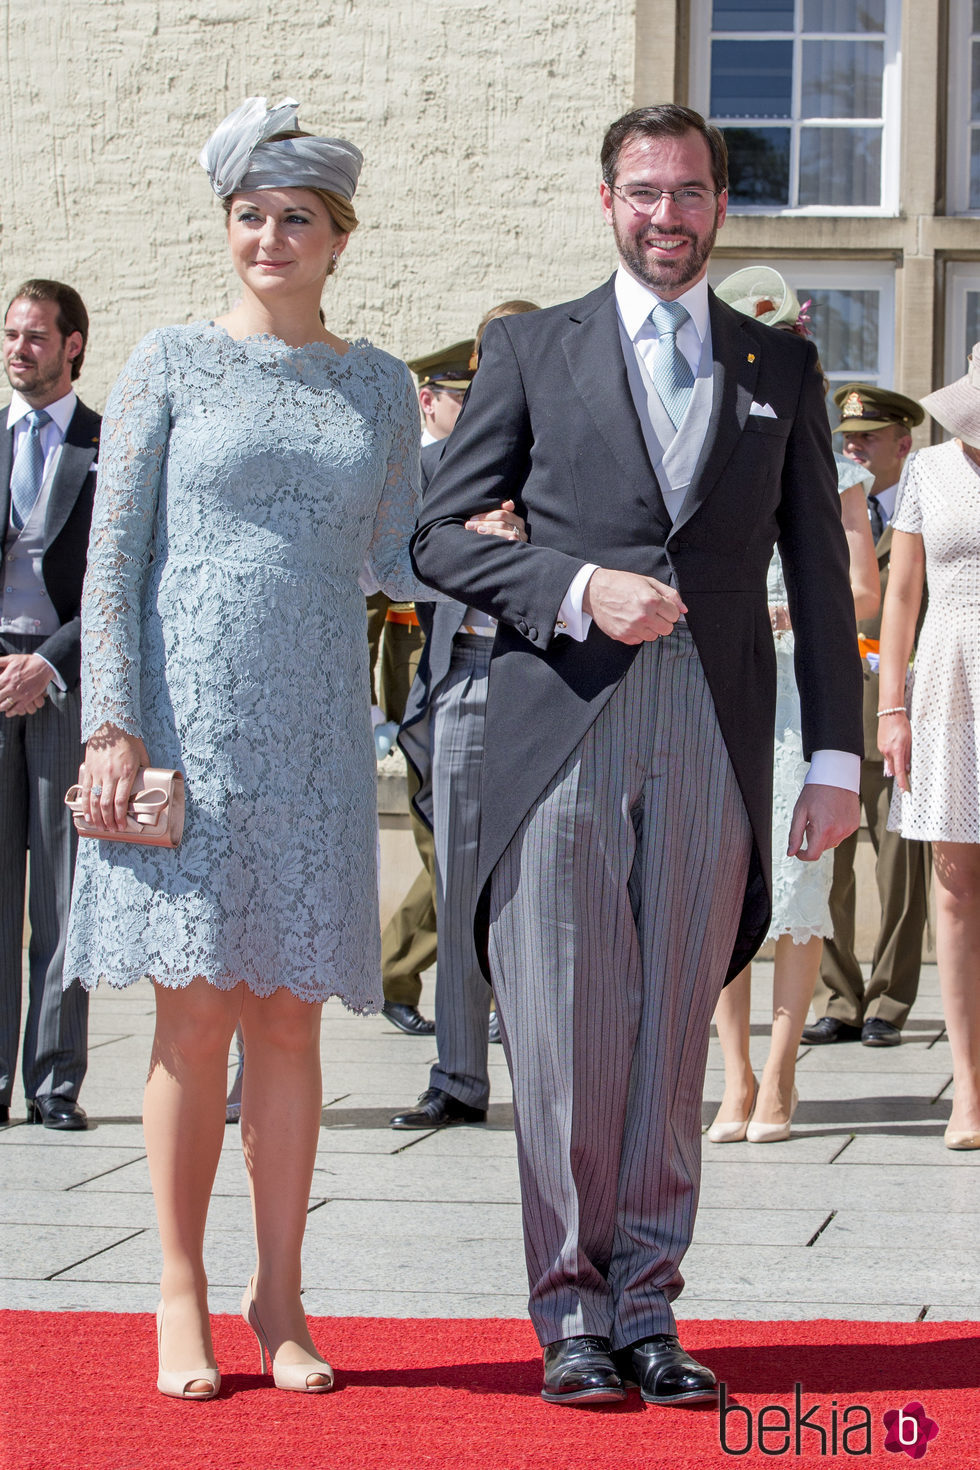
{"x": 61, "y": 410}
{"x": 886, "y": 499}
{"x": 634, "y": 301}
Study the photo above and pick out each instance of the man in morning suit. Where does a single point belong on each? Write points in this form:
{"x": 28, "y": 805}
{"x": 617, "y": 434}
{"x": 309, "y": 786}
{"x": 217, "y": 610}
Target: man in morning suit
{"x": 657, "y": 444}
{"x": 48, "y": 451}
{"x": 875, "y": 431}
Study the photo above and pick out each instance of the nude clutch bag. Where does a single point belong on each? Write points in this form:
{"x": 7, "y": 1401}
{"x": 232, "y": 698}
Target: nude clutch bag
{"x": 155, "y": 815}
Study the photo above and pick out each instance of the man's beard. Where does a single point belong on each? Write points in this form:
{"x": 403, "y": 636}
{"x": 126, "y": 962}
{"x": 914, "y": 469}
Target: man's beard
{"x": 663, "y": 275}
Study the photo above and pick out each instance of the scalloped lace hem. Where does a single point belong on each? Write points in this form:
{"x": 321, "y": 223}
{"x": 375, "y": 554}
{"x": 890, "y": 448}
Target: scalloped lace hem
{"x": 361, "y": 1005}
{"x": 802, "y": 933}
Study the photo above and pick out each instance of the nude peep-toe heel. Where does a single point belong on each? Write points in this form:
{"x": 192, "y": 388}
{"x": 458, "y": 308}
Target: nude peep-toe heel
{"x": 293, "y": 1376}
{"x": 178, "y": 1385}
{"x": 772, "y": 1132}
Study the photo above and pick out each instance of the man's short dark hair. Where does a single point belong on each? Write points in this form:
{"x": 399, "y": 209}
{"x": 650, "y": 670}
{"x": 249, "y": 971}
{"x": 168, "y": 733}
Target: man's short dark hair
{"x": 72, "y": 316}
{"x": 665, "y": 120}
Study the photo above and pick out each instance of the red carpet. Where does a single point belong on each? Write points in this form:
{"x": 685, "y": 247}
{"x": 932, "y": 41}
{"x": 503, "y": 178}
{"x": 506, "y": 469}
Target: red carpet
{"x": 78, "y": 1393}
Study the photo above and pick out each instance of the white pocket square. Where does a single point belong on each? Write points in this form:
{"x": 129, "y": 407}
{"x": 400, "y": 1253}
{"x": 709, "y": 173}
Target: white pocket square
{"x": 764, "y": 410}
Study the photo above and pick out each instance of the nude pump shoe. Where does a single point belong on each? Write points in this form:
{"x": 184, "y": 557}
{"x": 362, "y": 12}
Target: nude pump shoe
{"x": 772, "y": 1132}
{"x": 177, "y": 1385}
{"x": 294, "y": 1376}
{"x": 732, "y": 1132}
{"x": 954, "y": 1139}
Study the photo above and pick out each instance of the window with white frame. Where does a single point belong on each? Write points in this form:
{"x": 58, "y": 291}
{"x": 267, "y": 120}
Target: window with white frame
{"x": 806, "y": 93}
{"x": 962, "y": 316}
{"x": 851, "y": 314}
{"x": 963, "y": 133}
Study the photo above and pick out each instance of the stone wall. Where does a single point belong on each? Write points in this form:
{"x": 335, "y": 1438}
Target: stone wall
{"x": 480, "y": 125}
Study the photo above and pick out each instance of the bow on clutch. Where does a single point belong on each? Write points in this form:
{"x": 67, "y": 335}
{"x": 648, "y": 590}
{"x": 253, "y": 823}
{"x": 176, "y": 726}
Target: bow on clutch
{"x": 154, "y": 815}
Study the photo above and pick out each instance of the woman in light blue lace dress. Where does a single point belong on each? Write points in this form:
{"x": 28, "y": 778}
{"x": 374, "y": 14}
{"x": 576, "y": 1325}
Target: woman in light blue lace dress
{"x": 801, "y": 890}
{"x": 252, "y": 468}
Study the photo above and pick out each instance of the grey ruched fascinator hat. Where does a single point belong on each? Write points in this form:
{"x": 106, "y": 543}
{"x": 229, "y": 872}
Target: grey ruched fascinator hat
{"x": 957, "y": 406}
{"x": 238, "y": 154}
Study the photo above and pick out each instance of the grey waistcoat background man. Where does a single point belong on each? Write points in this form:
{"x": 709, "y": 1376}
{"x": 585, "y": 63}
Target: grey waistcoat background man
{"x": 49, "y": 445}
{"x": 627, "y": 779}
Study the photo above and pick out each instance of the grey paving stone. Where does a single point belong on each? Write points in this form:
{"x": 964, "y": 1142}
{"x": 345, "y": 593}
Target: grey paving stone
{"x": 393, "y": 1303}
{"x": 693, "y": 1308}
{"x": 496, "y": 1140}
{"x": 721, "y": 1227}
{"x": 913, "y": 1057}
{"x": 954, "y": 1311}
{"x": 923, "y": 1149}
{"x": 412, "y": 1176}
{"x": 51, "y": 1249}
{"x": 102, "y": 1133}
{"x": 893, "y": 1188}
{"x": 800, "y": 1148}
{"x": 483, "y": 1266}
{"x": 423, "y": 1222}
{"x": 862, "y": 1228}
{"x": 59, "y": 1166}
{"x": 777, "y": 1274}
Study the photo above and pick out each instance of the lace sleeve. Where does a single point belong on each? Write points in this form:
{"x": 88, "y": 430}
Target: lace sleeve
{"x": 131, "y": 458}
{"x": 388, "y": 564}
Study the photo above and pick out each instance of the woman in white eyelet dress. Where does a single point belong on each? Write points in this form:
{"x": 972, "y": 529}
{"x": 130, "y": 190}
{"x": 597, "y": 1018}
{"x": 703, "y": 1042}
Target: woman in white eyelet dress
{"x": 801, "y": 890}
{"x": 934, "y": 749}
{"x": 251, "y": 468}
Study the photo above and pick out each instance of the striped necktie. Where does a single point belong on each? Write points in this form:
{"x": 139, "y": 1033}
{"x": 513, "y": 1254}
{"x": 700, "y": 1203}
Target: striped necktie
{"x": 27, "y": 475}
{"x": 672, "y": 375}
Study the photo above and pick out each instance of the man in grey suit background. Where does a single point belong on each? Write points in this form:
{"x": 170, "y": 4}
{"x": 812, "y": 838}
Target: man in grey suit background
{"x": 49, "y": 445}
{"x": 657, "y": 445}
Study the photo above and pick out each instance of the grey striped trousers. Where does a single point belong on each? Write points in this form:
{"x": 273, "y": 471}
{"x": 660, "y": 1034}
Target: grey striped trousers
{"x": 613, "y": 914}
{"x": 462, "y": 993}
{"x": 39, "y": 759}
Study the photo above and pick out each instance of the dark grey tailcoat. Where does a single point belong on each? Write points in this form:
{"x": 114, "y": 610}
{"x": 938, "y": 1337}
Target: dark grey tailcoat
{"x": 550, "y": 422}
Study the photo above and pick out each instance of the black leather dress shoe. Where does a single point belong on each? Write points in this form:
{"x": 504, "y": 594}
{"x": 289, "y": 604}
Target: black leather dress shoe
{"x": 408, "y": 1019}
{"x": 665, "y": 1373}
{"x": 437, "y": 1109}
{"x": 581, "y": 1370}
{"x": 494, "y": 1033}
{"x": 57, "y": 1112}
{"x": 828, "y": 1028}
{"x": 876, "y": 1032}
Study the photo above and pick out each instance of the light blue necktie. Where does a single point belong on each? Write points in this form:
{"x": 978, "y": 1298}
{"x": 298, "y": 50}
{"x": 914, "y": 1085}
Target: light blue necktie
{"x": 27, "y": 475}
{"x": 672, "y": 375}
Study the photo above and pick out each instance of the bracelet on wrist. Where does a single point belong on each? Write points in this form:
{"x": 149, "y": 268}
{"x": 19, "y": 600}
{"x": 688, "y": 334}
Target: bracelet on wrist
{"x": 896, "y": 709}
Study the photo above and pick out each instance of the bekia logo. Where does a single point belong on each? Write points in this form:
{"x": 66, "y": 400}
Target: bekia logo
{"x": 819, "y": 1431}
{"x": 910, "y": 1429}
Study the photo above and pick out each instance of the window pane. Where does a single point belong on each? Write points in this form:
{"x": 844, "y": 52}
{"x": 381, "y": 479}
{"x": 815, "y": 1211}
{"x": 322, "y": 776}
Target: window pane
{"x": 758, "y": 165}
{"x": 758, "y": 15}
{"x": 975, "y": 169}
{"x": 751, "y": 78}
{"x": 845, "y": 15}
{"x": 845, "y": 328}
{"x": 842, "y": 78}
{"x": 840, "y": 166}
{"x": 975, "y": 82}
{"x": 972, "y": 325}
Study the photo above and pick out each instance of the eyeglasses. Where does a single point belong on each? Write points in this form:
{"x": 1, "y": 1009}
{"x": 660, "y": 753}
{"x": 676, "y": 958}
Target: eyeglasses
{"x": 647, "y": 201}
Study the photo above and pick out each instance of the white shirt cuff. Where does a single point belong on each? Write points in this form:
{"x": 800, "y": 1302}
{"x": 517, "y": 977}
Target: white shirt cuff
{"x": 59, "y": 682}
{"x": 835, "y": 768}
{"x": 571, "y": 619}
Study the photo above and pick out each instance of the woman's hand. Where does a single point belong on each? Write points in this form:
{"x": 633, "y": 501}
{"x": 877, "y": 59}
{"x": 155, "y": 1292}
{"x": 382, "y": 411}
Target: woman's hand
{"x": 112, "y": 759}
{"x": 779, "y": 618}
{"x": 895, "y": 744}
{"x": 503, "y": 522}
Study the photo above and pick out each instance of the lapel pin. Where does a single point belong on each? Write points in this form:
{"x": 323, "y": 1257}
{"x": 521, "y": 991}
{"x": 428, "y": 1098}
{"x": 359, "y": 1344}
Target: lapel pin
{"x": 751, "y": 357}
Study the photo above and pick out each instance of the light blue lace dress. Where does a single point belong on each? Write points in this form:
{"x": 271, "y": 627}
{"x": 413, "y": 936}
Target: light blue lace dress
{"x": 243, "y": 486}
{"x": 800, "y": 891}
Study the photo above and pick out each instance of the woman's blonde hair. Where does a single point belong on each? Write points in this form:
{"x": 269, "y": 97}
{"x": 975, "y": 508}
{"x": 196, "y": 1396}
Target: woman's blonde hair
{"x": 340, "y": 210}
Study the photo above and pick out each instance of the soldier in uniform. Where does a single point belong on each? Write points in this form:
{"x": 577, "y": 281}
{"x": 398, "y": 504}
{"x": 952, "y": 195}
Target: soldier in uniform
{"x": 876, "y": 426}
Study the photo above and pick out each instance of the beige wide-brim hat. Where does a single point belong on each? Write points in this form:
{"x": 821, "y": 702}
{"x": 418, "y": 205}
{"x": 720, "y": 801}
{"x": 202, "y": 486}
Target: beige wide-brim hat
{"x": 957, "y": 406}
{"x": 760, "y": 291}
